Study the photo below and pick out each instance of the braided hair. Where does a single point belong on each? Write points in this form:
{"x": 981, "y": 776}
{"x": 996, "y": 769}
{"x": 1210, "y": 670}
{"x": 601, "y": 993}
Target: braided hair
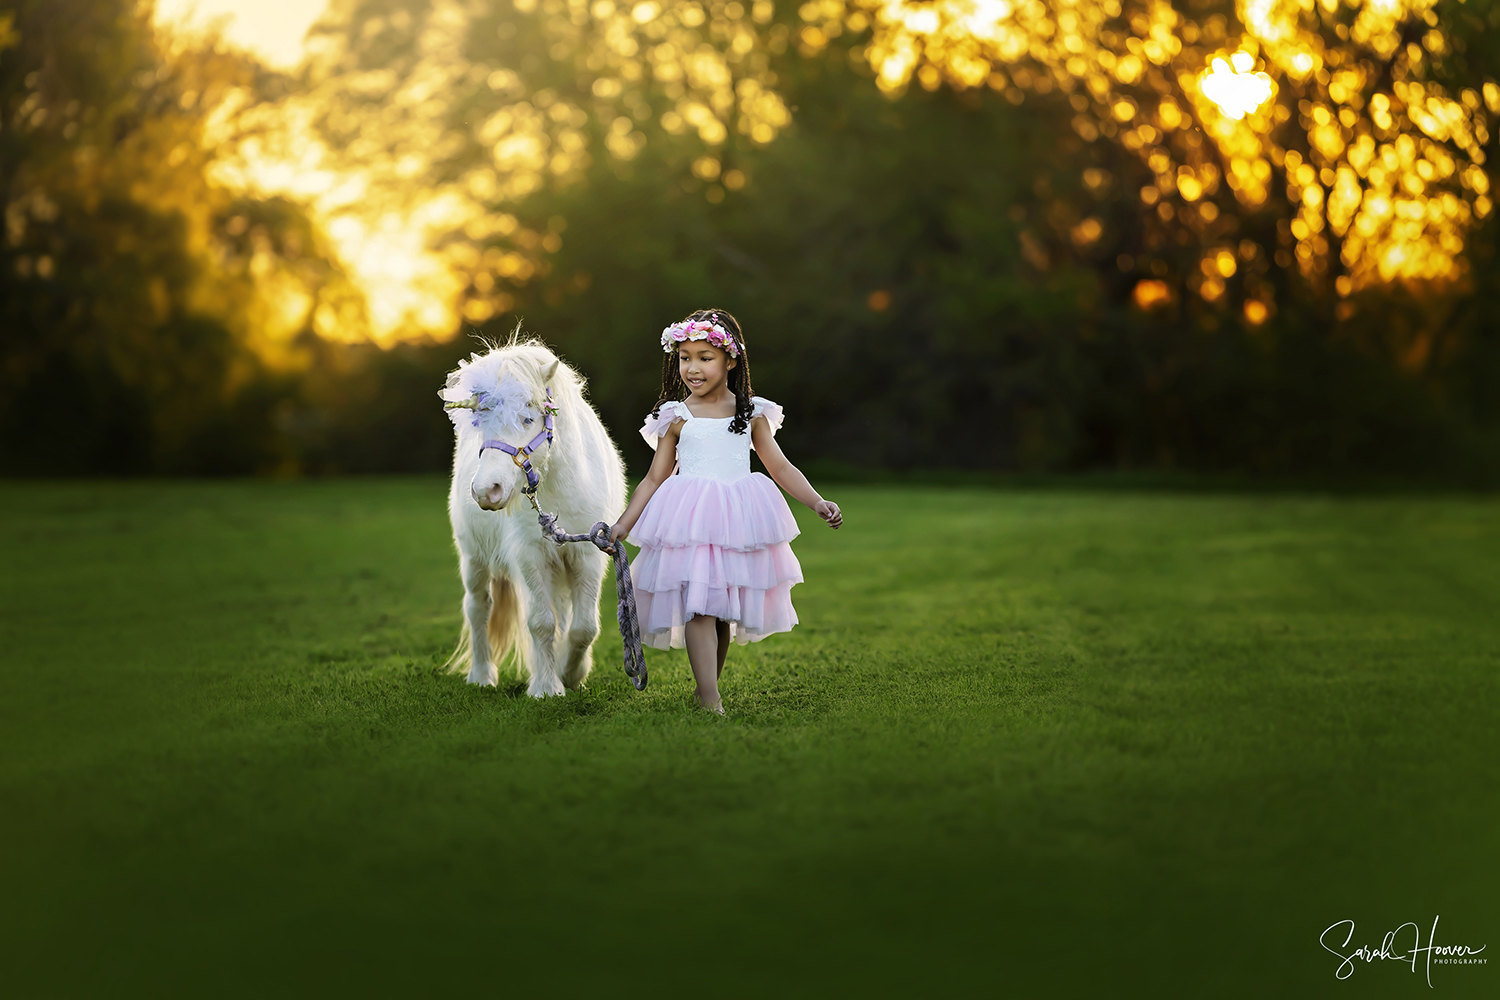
{"x": 673, "y": 388}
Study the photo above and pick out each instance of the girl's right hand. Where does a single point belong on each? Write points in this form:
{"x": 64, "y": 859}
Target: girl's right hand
{"x": 829, "y": 511}
{"x": 616, "y": 532}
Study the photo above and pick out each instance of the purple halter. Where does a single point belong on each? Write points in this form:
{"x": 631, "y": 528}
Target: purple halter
{"x": 522, "y": 455}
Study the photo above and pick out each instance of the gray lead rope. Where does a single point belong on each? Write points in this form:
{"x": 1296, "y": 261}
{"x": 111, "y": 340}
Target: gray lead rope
{"x": 630, "y": 626}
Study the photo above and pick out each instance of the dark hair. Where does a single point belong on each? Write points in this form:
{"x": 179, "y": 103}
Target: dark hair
{"x": 672, "y": 386}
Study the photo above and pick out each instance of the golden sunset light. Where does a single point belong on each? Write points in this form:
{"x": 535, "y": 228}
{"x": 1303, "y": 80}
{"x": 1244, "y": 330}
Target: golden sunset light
{"x": 1396, "y": 170}
{"x": 272, "y": 30}
{"x": 1234, "y": 87}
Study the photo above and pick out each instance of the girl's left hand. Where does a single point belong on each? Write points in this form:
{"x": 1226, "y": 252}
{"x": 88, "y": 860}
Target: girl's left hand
{"x": 829, "y": 511}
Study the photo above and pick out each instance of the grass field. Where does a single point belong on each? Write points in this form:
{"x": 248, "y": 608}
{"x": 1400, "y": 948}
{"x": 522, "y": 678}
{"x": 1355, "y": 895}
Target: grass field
{"x": 1032, "y": 743}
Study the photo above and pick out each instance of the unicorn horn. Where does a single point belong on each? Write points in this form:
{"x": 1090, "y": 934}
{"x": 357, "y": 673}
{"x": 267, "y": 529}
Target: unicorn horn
{"x": 472, "y": 403}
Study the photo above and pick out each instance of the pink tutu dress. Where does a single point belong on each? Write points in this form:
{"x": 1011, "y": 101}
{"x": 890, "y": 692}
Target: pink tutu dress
{"x": 714, "y": 536}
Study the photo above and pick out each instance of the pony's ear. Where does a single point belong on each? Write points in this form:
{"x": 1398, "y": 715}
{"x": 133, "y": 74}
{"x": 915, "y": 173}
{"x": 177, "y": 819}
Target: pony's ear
{"x": 550, "y": 371}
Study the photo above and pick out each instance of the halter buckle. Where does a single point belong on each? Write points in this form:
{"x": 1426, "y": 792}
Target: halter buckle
{"x": 520, "y": 459}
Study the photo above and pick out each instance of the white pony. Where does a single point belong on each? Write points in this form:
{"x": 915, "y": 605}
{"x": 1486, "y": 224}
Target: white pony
{"x": 523, "y": 591}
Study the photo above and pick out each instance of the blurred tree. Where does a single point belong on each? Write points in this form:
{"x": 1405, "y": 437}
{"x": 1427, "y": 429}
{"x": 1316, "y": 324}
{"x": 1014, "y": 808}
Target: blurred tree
{"x": 1056, "y": 254}
{"x": 143, "y": 309}
{"x": 913, "y": 278}
{"x": 1003, "y": 286}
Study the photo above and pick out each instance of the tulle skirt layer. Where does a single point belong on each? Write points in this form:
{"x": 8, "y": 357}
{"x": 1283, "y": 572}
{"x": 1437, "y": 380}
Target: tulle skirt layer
{"x": 745, "y": 514}
{"x": 715, "y": 549}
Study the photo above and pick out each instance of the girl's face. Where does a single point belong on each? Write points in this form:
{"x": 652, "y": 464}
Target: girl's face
{"x": 704, "y": 367}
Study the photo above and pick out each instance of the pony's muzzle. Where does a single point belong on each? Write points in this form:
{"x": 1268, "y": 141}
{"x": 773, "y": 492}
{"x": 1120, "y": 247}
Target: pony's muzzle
{"x": 493, "y": 496}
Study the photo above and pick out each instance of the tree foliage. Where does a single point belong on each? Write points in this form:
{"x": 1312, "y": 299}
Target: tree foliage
{"x": 952, "y": 274}
{"x": 142, "y": 304}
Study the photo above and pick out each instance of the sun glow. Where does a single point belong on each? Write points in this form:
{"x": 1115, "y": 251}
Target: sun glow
{"x": 1232, "y": 86}
{"x": 385, "y": 242}
{"x": 272, "y": 30}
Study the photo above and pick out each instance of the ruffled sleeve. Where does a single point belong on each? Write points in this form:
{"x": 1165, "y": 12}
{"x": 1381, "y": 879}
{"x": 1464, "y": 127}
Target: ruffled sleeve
{"x": 654, "y": 427}
{"x": 763, "y": 407}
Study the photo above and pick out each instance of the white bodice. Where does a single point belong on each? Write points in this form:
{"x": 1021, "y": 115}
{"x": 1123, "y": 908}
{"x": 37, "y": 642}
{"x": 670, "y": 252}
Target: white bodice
{"x": 706, "y": 448}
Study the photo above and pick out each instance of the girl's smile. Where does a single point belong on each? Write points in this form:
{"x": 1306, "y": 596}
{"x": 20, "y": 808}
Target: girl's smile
{"x": 704, "y": 368}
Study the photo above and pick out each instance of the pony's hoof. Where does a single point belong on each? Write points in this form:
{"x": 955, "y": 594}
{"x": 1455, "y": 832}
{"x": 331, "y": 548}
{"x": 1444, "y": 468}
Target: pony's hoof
{"x": 547, "y": 689}
{"x": 488, "y": 678}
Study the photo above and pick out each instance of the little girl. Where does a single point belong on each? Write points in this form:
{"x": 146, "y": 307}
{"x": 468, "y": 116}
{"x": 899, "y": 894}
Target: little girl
{"x": 714, "y": 561}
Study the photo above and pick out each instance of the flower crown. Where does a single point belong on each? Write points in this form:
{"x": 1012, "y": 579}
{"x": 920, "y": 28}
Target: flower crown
{"x": 698, "y": 329}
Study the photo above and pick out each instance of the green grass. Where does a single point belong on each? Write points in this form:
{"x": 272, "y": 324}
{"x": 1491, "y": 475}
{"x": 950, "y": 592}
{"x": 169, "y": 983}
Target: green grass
{"x": 1023, "y": 743}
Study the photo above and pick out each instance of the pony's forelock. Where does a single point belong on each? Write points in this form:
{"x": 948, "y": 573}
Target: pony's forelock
{"x": 511, "y": 374}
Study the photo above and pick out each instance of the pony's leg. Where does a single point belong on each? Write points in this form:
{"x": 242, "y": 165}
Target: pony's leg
{"x": 541, "y": 629}
{"x": 477, "y": 604}
{"x": 562, "y": 607}
{"x": 587, "y": 578}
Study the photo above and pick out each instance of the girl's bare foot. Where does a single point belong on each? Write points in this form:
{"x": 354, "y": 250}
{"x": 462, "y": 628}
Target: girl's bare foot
{"x": 717, "y": 708}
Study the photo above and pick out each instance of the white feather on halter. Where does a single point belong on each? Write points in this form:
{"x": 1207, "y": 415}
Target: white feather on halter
{"x": 478, "y": 387}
